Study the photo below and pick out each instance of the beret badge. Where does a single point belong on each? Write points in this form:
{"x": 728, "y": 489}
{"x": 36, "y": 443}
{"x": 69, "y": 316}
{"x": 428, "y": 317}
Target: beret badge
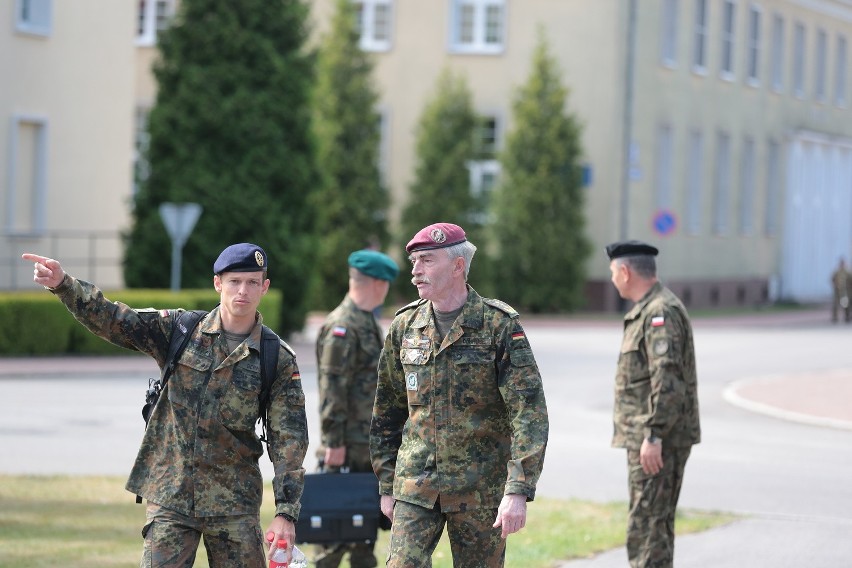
{"x": 258, "y": 256}
{"x": 438, "y": 236}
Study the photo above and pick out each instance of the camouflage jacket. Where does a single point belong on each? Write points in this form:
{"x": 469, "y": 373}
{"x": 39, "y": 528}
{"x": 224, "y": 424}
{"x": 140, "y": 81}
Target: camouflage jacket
{"x": 464, "y": 420}
{"x": 199, "y": 454}
{"x": 348, "y": 348}
{"x": 656, "y": 389}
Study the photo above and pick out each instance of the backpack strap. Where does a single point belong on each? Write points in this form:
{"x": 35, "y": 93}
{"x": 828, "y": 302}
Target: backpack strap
{"x": 182, "y": 329}
{"x": 270, "y": 344}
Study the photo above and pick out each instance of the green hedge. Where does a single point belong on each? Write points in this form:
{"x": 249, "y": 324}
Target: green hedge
{"x": 36, "y": 323}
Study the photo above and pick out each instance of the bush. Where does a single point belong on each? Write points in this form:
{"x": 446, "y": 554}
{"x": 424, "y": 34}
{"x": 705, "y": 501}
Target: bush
{"x": 43, "y": 326}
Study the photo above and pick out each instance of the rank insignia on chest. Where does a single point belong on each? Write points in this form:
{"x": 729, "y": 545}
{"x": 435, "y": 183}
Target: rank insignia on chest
{"x": 411, "y": 381}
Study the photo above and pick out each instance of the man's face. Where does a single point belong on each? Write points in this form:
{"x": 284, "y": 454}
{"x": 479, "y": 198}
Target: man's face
{"x": 619, "y": 277}
{"x": 240, "y": 292}
{"x": 432, "y": 273}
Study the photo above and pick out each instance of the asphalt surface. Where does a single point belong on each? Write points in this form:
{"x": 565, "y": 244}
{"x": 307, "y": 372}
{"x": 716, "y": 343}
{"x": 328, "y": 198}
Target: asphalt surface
{"x": 776, "y": 406}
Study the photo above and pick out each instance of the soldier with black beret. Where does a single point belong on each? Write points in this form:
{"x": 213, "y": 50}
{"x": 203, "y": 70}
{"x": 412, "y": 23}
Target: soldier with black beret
{"x": 656, "y": 401}
{"x": 347, "y": 349}
{"x": 197, "y": 466}
{"x": 460, "y": 425}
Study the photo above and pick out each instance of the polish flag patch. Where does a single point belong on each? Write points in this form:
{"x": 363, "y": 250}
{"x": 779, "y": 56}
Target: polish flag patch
{"x": 338, "y": 331}
{"x": 657, "y": 321}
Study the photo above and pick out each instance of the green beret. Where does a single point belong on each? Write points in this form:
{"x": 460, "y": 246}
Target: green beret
{"x": 374, "y": 264}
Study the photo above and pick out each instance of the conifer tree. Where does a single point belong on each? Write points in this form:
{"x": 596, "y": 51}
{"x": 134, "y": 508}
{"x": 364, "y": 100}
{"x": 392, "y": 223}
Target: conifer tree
{"x": 230, "y": 130}
{"x": 444, "y": 146}
{"x": 351, "y": 202}
{"x": 538, "y": 205}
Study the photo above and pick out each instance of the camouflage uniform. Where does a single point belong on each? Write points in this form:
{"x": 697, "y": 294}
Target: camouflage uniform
{"x": 457, "y": 425}
{"x": 348, "y": 348}
{"x": 841, "y": 282}
{"x": 656, "y": 394}
{"x": 199, "y": 454}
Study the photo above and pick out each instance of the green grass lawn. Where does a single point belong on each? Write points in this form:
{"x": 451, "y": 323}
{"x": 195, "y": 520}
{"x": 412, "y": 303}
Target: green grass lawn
{"x": 92, "y": 522}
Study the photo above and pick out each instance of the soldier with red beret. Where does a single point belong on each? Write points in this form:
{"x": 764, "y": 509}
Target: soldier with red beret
{"x": 459, "y": 425}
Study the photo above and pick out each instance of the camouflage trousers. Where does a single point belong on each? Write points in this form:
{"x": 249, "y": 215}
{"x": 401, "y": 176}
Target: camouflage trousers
{"x": 416, "y": 531}
{"x": 653, "y": 501}
{"x": 171, "y": 540}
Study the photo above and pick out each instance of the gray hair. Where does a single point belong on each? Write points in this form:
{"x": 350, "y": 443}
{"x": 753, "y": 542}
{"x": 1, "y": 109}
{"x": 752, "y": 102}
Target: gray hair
{"x": 645, "y": 266}
{"x": 466, "y": 250}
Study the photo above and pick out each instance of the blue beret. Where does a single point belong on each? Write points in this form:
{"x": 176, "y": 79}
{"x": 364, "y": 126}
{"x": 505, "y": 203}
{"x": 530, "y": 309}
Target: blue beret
{"x": 242, "y": 257}
{"x": 435, "y": 236}
{"x": 630, "y": 248}
{"x": 374, "y": 264}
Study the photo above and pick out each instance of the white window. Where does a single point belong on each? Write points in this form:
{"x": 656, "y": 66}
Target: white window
{"x": 375, "y": 24}
{"x": 477, "y": 26}
{"x": 754, "y": 33}
{"x": 695, "y": 183}
{"x": 778, "y": 52}
{"x": 34, "y": 16}
{"x": 665, "y": 147}
{"x": 726, "y": 67}
{"x": 820, "y": 65}
{"x": 699, "y": 56}
{"x": 484, "y": 176}
{"x": 141, "y": 166}
{"x": 26, "y": 197}
{"x": 668, "y": 38}
{"x": 722, "y": 183}
{"x": 153, "y": 17}
{"x": 840, "y": 73}
{"x": 773, "y": 188}
{"x": 487, "y": 136}
{"x": 799, "y": 60}
{"x": 747, "y": 187}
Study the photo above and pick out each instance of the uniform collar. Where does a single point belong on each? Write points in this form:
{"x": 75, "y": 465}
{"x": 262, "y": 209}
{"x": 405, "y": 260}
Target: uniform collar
{"x": 640, "y": 305}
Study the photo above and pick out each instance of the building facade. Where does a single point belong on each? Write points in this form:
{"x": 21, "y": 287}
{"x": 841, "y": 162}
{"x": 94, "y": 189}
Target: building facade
{"x": 720, "y": 130}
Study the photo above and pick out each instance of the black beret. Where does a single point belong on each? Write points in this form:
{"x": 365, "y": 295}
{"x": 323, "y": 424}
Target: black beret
{"x": 242, "y": 257}
{"x": 374, "y": 264}
{"x": 630, "y": 248}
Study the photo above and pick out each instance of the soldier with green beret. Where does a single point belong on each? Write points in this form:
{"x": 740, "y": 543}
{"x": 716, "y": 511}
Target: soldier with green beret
{"x": 347, "y": 349}
{"x": 197, "y": 466}
{"x": 656, "y": 401}
{"x": 460, "y": 425}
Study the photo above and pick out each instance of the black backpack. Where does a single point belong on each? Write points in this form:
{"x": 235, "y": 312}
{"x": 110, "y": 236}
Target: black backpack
{"x": 182, "y": 329}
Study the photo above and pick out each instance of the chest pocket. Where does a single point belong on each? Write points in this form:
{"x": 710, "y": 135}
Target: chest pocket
{"x": 239, "y": 407}
{"x": 632, "y": 361}
{"x": 187, "y": 381}
{"x": 415, "y": 355}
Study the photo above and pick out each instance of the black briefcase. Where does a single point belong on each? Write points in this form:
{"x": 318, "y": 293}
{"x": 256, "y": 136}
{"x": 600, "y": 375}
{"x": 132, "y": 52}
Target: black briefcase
{"x": 339, "y": 507}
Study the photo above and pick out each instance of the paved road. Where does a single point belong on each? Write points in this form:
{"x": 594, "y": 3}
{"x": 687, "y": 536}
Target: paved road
{"x": 777, "y": 446}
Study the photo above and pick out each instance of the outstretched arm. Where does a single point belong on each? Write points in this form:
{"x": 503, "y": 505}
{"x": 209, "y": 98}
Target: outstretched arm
{"x": 48, "y": 272}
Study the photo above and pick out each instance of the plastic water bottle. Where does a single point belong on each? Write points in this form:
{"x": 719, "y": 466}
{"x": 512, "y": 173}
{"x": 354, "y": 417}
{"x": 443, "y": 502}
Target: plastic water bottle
{"x": 280, "y": 558}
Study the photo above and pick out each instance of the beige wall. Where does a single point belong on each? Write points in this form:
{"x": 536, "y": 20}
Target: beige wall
{"x": 79, "y": 79}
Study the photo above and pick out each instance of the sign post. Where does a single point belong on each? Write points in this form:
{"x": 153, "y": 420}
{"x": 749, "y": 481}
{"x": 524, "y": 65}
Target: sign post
{"x": 179, "y": 219}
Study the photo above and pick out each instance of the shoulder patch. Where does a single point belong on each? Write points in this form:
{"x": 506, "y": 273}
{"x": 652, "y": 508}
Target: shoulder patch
{"x": 502, "y": 306}
{"x": 410, "y": 306}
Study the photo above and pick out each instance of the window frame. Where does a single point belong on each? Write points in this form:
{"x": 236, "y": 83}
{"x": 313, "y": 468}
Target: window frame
{"x": 695, "y": 182}
{"x": 149, "y": 21}
{"x": 38, "y": 193}
{"x": 798, "y": 62}
{"x": 668, "y": 33}
{"x": 753, "y": 44}
{"x": 777, "y": 55}
{"x": 700, "y": 37}
{"x": 367, "y": 16}
{"x": 728, "y": 38}
{"x": 40, "y": 24}
{"x": 821, "y": 66}
{"x": 722, "y": 183}
{"x": 748, "y": 186}
{"x": 841, "y": 70}
{"x": 478, "y": 45}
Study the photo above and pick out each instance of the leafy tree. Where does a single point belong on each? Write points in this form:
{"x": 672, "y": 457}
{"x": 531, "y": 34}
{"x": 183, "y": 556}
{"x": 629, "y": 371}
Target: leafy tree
{"x": 538, "y": 206}
{"x": 444, "y": 145}
{"x": 230, "y": 130}
{"x": 351, "y": 202}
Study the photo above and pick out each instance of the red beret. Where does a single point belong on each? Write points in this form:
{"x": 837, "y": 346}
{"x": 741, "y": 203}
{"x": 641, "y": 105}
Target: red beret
{"x": 439, "y": 235}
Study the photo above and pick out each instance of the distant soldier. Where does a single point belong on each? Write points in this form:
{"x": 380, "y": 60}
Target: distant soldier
{"x": 841, "y": 282}
{"x": 656, "y": 401}
{"x": 348, "y": 348}
{"x": 460, "y": 422}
